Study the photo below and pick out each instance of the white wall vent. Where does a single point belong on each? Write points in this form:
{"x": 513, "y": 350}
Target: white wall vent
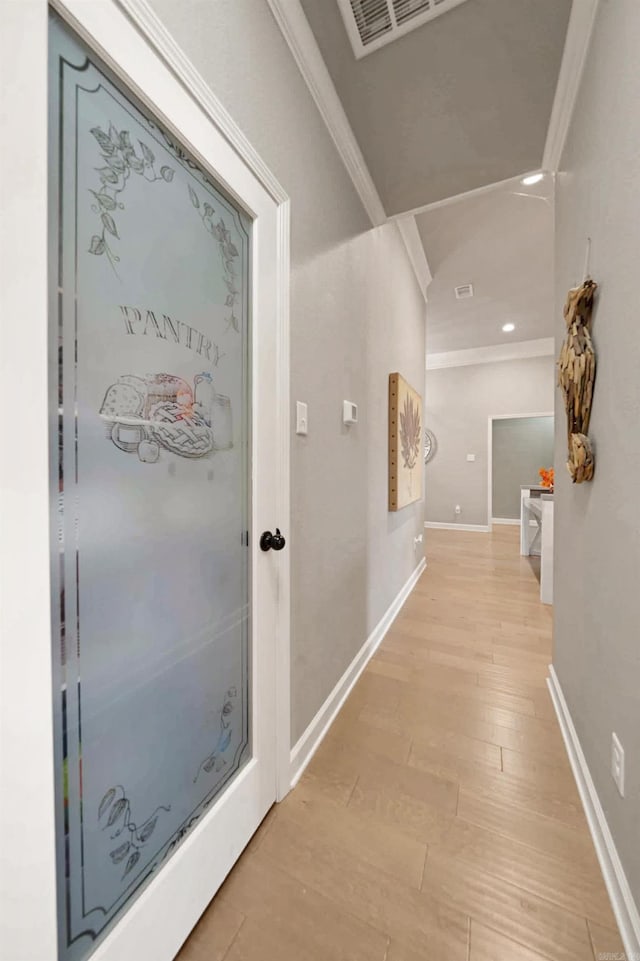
{"x": 373, "y": 23}
{"x": 464, "y": 291}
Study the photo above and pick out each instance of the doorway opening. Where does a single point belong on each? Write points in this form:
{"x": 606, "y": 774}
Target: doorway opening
{"x": 520, "y": 445}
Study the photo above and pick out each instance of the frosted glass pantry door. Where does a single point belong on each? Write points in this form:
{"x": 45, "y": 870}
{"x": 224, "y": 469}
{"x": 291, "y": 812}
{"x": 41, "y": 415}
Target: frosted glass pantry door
{"x": 151, "y": 492}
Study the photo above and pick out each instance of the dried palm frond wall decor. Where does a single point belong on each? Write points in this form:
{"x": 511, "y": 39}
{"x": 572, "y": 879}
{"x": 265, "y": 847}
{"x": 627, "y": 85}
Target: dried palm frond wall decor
{"x": 576, "y": 376}
{"x": 405, "y": 443}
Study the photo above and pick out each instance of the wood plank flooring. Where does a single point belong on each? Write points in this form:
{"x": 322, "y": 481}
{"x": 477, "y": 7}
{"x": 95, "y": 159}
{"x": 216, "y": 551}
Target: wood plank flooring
{"x": 439, "y": 820}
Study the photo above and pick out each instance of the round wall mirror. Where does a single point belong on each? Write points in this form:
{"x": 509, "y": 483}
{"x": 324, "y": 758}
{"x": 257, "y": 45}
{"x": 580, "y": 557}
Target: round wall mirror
{"x": 429, "y": 445}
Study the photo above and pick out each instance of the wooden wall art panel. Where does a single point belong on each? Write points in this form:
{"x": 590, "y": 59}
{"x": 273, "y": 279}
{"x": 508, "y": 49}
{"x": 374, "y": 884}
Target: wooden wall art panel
{"x": 576, "y": 377}
{"x": 405, "y": 443}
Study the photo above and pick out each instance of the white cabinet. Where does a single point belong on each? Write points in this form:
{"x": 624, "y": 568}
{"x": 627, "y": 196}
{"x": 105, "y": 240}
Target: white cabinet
{"x": 536, "y": 534}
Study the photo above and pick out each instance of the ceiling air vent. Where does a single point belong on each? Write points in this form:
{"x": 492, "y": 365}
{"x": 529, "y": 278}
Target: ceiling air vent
{"x": 464, "y": 291}
{"x": 373, "y": 23}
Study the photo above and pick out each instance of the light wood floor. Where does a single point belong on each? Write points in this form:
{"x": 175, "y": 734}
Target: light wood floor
{"x": 439, "y": 820}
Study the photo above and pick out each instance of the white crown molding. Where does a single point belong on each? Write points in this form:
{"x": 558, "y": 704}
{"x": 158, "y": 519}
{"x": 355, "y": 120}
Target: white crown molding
{"x": 544, "y": 347}
{"x": 410, "y": 234}
{"x": 581, "y": 21}
{"x": 149, "y": 24}
{"x": 466, "y": 195}
{"x": 290, "y": 17}
{"x": 295, "y": 28}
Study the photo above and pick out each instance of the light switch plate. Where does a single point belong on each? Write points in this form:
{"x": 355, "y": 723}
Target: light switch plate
{"x": 302, "y": 419}
{"x": 471, "y": 458}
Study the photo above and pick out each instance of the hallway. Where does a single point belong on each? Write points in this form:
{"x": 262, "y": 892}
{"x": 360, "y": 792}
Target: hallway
{"x": 286, "y": 285}
{"x": 439, "y": 820}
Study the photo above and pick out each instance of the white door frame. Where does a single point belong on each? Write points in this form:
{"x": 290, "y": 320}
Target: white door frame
{"x": 27, "y": 881}
{"x": 493, "y": 417}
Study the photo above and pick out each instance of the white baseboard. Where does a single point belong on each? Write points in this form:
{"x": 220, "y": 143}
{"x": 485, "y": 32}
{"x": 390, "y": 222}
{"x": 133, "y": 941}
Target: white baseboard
{"x": 624, "y": 907}
{"x": 437, "y": 525}
{"x": 309, "y": 742}
{"x": 506, "y": 520}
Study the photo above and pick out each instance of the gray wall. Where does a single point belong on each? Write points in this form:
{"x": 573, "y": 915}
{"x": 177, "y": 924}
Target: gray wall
{"x": 356, "y": 315}
{"x": 597, "y": 525}
{"x": 521, "y": 446}
{"x": 459, "y": 401}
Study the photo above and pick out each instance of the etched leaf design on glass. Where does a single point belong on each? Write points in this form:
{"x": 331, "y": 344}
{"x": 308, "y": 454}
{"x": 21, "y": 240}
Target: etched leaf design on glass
{"x": 410, "y": 432}
{"x": 120, "y": 853}
{"x": 117, "y": 811}
{"x": 108, "y": 175}
{"x": 116, "y": 164}
{"x": 106, "y": 800}
{"x": 97, "y": 245}
{"x": 215, "y": 759}
{"x": 146, "y": 152}
{"x": 147, "y": 829}
{"x": 119, "y": 155}
{"x": 104, "y": 140}
{"x": 131, "y": 863}
{"x": 228, "y": 254}
{"x": 109, "y": 224}
{"x": 105, "y": 201}
{"x": 116, "y": 802}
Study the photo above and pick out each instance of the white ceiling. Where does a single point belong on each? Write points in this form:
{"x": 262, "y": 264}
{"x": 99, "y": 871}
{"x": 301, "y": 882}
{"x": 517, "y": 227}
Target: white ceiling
{"x": 502, "y": 243}
{"x": 460, "y": 102}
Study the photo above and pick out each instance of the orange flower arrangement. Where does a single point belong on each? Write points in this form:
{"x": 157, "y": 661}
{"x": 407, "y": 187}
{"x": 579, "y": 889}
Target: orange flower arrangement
{"x": 546, "y": 477}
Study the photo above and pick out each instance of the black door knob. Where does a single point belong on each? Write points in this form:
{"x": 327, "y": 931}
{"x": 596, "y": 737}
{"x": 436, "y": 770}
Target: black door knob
{"x": 272, "y": 542}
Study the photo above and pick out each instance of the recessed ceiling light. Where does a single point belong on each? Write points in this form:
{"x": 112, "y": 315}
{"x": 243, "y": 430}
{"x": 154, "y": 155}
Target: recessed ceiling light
{"x": 508, "y": 328}
{"x": 532, "y": 179}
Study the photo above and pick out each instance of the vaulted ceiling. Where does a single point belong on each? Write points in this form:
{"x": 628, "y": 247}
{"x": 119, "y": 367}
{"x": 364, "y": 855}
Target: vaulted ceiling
{"x": 501, "y": 242}
{"x": 448, "y": 119}
{"x": 460, "y": 102}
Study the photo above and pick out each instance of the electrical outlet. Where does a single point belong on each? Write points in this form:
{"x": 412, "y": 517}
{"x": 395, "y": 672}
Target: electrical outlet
{"x": 458, "y": 509}
{"x": 617, "y": 763}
